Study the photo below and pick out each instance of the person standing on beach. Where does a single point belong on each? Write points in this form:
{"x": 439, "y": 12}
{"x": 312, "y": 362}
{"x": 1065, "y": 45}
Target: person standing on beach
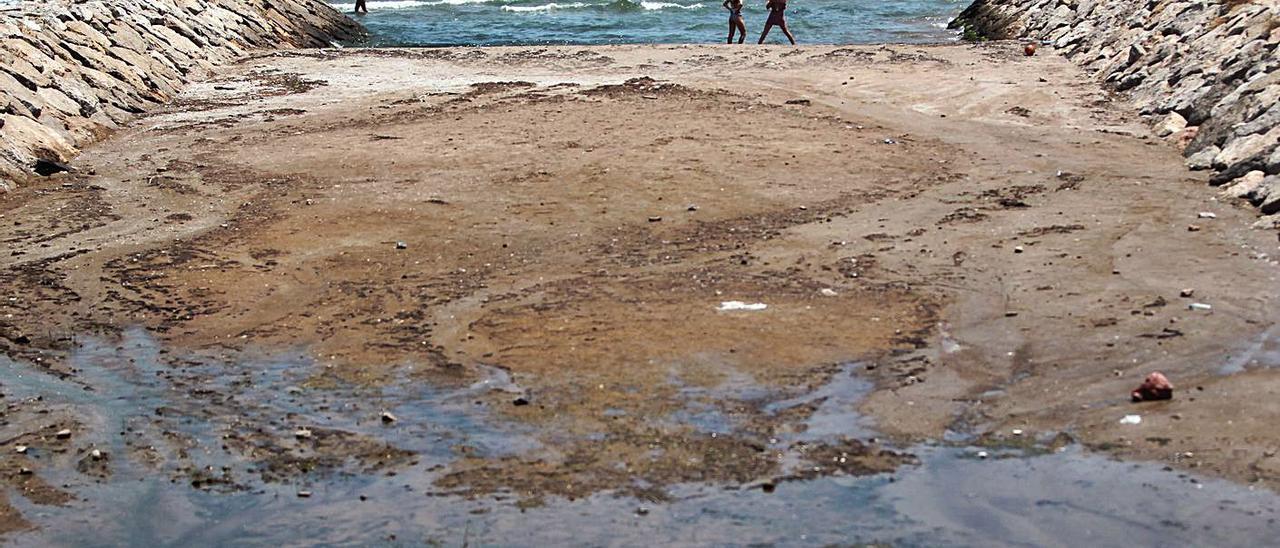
{"x": 360, "y": 7}
{"x": 735, "y": 20}
{"x": 776, "y": 9}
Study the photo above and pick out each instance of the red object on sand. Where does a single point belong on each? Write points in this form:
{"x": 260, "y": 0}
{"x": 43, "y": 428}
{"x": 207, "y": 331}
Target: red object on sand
{"x": 1156, "y": 387}
{"x": 1029, "y": 50}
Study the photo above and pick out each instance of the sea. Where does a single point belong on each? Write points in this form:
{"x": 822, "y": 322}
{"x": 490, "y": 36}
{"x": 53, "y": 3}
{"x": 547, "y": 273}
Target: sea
{"x": 583, "y": 22}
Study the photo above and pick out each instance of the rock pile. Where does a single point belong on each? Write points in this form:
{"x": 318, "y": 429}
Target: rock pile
{"x": 1206, "y": 71}
{"x": 73, "y": 70}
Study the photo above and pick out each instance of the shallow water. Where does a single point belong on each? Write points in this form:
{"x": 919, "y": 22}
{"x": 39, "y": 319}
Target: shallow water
{"x": 537, "y": 22}
{"x": 951, "y": 498}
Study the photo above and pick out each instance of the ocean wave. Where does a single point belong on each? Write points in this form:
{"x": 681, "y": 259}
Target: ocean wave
{"x": 404, "y": 4}
{"x": 664, "y": 5}
{"x": 545, "y": 7}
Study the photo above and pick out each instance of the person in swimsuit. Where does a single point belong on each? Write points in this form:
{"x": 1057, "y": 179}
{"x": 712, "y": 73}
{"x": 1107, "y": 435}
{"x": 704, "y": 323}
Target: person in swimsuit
{"x": 360, "y": 7}
{"x": 735, "y": 20}
{"x": 776, "y": 8}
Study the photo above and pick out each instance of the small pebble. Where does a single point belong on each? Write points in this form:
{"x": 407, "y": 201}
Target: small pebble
{"x": 63, "y": 434}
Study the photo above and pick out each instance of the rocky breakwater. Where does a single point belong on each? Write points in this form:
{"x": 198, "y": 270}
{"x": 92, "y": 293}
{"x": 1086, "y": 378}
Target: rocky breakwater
{"x": 73, "y": 70}
{"x": 1206, "y": 72}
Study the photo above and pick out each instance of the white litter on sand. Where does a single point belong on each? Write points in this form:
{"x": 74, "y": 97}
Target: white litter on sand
{"x": 739, "y": 305}
{"x": 1131, "y": 419}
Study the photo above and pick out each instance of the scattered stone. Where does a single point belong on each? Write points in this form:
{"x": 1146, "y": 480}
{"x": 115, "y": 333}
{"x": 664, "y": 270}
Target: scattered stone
{"x": 388, "y": 418}
{"x": 302, "y": 434}
{"x": 1017, "y": 431}
{"x": 1193, "y": 228}
{"x": 642, "y": 511}
{"x": 983, "y": 454}
{"x": 1208, "y": 215}
{"x": 1131, "y": 419}
{"x": 21, "y": 449}
{"x": 739, "y": 305}
{"x": 402, "y": 245}
{"x": 801, "y": 102}
{"x": 692, "y": 207}
{"x": 96, "y": 454}
{"x": 1188, "y": 293}
{"x": 1154, "y": 388}
{"x": 1018, "y": 249}
{"x": 655, "y": 219}
{"x": 63, "y": 434}
{"x": 828, "y": 292}
{"x": 304, "y": 494}
{"x": 889, "y": 142}
{"x": 520, "y": 401}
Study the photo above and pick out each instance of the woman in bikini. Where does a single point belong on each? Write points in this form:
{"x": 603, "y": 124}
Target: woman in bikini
{"x": 776, "y": 8}
{"x": 735, "y": 20}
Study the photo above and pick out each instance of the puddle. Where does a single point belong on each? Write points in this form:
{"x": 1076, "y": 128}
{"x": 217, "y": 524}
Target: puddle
{"x": 949, "y": 498}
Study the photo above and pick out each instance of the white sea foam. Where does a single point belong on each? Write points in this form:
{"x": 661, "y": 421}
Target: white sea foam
{"x": 375, "y": 5}
{"x": 544, "y": 7}
{"x": 665, "y": 5}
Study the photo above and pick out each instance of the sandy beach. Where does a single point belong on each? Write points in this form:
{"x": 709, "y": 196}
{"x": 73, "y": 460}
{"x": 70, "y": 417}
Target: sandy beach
{"x": 999, "y": 249}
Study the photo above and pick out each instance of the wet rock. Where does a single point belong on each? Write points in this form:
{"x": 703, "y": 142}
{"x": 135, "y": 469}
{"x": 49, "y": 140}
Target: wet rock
{"x": 520, "y": 401}
{"x": 388, "y": 418}
{"x": 1155, "y": 387}
{"x": 63, "y": 434}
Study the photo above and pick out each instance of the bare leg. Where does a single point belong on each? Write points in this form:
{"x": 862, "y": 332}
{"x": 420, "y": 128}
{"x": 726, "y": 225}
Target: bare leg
{"x": 767, "y": 26}
{"x": 742, "y": 32}
{"x": 732, "y": 27}
{"x": 787, "y": 32}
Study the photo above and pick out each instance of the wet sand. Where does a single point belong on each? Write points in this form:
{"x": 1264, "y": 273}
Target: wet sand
{"x": 523, "y": 254}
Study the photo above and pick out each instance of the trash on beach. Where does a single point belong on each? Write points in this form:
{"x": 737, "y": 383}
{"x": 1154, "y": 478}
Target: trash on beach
{"x": 21, "y": 449}
{"x": 1131, "y": 419}
{"x": 1188, "y": 292}
{"x": 890, "y": 142}
{"x": 1029, "y": 49}
{"x": 1208, "y": 215}
{"x": 402, "y": 245}
{"x": 1155, "y": 387}
{"x": 739, "y": 305}
{"x": 1200, "y": 306}
{"x": 655, "y": 219}
{"x": 828, "y": 292}
{"x": 302, "y": 433}
{"x": 982, "y": 454}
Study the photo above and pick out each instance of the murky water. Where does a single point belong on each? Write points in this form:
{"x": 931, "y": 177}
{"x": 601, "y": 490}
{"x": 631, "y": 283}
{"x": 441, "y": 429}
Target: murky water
{"x": 951, "y": 498}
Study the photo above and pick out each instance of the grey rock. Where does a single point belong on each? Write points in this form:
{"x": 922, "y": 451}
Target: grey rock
{"x": 1202, "y": 160}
